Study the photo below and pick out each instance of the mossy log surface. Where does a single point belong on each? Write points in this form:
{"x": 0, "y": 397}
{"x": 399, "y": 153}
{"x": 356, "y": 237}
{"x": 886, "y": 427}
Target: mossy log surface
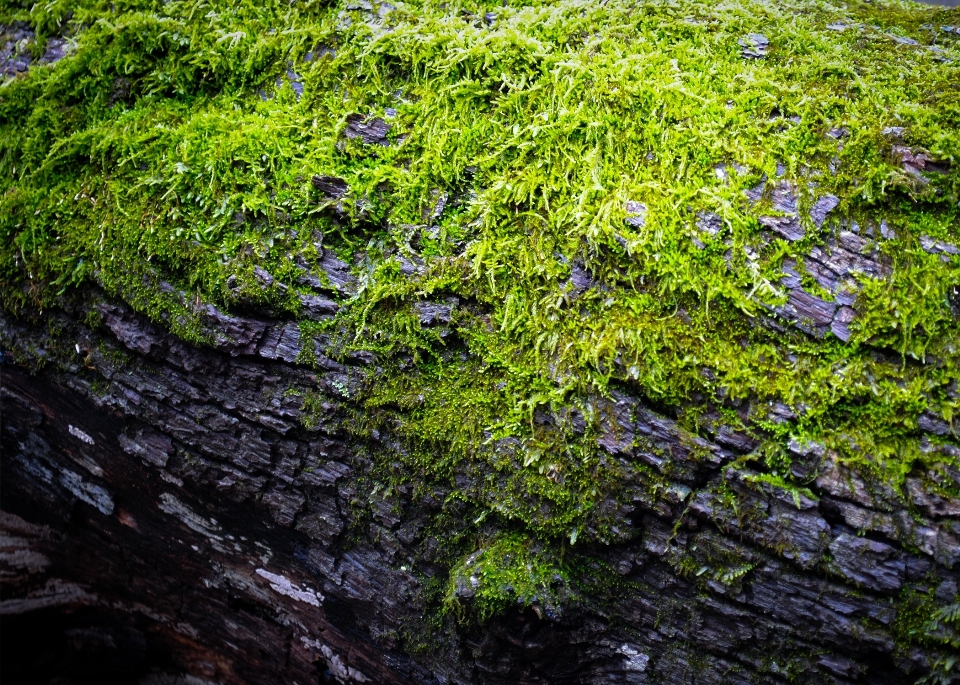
{"x": 412, "y": 342}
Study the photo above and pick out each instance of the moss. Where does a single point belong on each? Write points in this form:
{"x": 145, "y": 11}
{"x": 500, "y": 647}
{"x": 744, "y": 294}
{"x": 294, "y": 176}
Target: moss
{"x": 169, "y": 157}
{"x": 507, "y": 571}
{"x": 707, "y": 560}
{"x": 921, "y": 619}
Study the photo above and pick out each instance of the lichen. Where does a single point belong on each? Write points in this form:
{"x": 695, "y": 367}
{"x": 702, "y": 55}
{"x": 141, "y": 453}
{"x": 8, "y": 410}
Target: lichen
{"x": 169, "y": 158}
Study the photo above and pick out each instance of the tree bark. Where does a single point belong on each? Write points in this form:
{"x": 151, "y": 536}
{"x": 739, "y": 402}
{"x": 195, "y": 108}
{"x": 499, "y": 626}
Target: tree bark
{"x": 166, "y": 513}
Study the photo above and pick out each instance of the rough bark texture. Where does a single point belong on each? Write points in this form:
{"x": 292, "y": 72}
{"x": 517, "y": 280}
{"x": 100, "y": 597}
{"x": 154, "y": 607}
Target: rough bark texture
{"x": 166, "y": 513}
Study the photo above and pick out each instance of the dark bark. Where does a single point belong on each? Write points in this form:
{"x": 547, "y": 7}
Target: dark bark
{"x": 166, "y": 512}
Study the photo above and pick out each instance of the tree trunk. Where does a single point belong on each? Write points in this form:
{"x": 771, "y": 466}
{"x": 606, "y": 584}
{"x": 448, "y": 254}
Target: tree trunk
{"x": 468, "y": 343}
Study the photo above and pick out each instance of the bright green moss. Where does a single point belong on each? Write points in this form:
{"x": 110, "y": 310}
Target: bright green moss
{"x": 170, "y": 152}
{"x": 507, "y": 571}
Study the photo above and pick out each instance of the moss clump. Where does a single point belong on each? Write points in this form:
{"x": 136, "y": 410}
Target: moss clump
{"x": 170, "y": 158}
{"x": 507, "y": 571}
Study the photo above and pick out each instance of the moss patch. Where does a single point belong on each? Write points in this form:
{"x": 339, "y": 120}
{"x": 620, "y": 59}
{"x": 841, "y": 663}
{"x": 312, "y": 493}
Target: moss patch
{"x": 170, "y": 158}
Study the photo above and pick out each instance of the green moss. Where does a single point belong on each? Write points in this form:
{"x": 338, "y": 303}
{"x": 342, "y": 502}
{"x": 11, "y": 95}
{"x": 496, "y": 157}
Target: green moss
{"x": 921, "y": 619}
{"x": 168, "y": 157}
{"x": 507, "y": 571}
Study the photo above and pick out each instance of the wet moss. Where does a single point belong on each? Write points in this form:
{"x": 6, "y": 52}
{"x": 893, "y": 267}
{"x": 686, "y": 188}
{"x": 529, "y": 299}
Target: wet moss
{"x": 169, "y": 159}
{"x": 507, "y": 571}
